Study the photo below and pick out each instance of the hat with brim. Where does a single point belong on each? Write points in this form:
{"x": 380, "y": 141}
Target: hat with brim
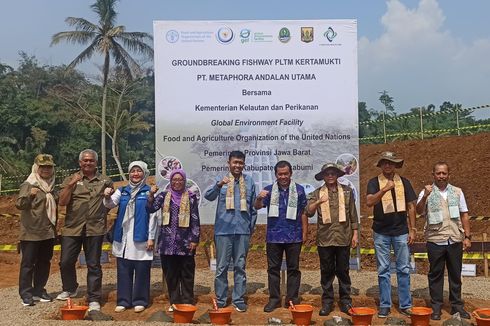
{"x": 44, "y": 160}
{"x": 392, "y": 157}
{"x": 329, "y": 166}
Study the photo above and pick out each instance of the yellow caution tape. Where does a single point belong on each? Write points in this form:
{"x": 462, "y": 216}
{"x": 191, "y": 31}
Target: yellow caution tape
{"x": 261, "y": 247}
{"x": 473, "y": 218}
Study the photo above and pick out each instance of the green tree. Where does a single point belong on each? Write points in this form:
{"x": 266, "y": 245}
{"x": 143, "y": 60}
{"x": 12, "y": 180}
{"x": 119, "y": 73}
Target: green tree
{"x": 387, "y": 101}
{"x": 109, "y": 40}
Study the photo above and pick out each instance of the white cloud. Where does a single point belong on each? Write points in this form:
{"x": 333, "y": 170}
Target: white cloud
{"x": 419, "y": 62}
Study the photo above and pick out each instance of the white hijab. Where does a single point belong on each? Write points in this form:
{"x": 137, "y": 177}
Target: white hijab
{"x": 47, "y": 187}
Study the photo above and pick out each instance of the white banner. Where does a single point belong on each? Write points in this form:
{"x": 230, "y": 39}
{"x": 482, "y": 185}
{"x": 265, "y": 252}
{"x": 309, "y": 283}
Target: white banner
{"x": 276, "y": 90}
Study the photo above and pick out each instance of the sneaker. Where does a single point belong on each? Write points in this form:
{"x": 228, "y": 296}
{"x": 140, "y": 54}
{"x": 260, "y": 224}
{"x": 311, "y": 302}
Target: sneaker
{"x": 67, "y": 294}
{"x": 27, "y": 302}
{"x": 406, "y": 312}
{"x": 240, "y": 307}
{"x": 44, "y": 297}
{"x": 120, "y": 309}
{"x": 171, "y": 308}
{"x": 94, "y": 306}
{"x": 383, "y": 312}
{"x": 139, "y": 308}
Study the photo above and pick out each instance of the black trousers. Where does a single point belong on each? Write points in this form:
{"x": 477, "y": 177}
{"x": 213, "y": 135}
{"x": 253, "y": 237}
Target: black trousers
{"x": 34, "y": 267}
{"x": 274, "y": 261}
{"x": 70, "y": 249}
{"x": 450, "y": 256}
{"x": 334, "y": 261}
{"x": 179, "y": 275}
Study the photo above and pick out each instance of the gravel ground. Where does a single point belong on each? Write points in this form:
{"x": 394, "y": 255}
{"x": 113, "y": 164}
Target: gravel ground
{"x": 364, "y": 284}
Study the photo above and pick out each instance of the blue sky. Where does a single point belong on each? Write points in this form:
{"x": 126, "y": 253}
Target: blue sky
{"x": 420, "y": 51}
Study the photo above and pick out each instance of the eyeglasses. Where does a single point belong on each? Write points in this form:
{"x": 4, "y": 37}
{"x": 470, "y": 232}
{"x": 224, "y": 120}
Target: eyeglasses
{"x": 330, "y": 174}
{"x": 177, "y": 180}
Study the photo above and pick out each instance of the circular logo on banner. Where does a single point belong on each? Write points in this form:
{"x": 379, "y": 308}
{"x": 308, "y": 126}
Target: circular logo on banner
{"x": 245, "y": 33}
{"x": 284, "y": 35}
{"x": 172, "y": 36}
{"x": 224, "y": 35}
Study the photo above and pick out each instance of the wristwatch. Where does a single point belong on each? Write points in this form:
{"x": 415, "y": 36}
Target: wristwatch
{"x": 468, "y": 237}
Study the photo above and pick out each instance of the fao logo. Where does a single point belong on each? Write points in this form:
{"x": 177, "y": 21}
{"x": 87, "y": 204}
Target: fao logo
{"x": 172, "y": 36}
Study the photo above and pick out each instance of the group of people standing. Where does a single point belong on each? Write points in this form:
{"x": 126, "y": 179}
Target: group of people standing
{"x": 167, "y": 222}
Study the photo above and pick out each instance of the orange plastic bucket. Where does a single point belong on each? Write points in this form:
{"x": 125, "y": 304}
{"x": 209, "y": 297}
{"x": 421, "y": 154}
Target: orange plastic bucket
{"x": 73, "y": 313}
{"x": 482, "y": 316}
{"x": 362, "y": 316}
{"x": 220, "y": 316}
{"x": 301, "y": 314}
{"x": 420, "y": 316}
{"x": 183, "y": 313}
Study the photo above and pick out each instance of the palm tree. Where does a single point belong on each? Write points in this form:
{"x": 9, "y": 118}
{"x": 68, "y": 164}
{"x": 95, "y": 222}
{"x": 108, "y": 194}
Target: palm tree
{"x": 108, "y": 40}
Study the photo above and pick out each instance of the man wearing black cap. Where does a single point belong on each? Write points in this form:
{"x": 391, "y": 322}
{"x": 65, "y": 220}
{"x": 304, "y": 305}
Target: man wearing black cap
{"x": 336, "y": 234}
{"x": 394, "y": 200}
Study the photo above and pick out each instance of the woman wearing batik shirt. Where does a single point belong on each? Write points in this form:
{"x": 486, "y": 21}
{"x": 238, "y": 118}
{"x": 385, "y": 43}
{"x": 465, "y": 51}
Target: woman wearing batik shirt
{"x": 38, "y": 202}
{"x": 179, "y": 236}
{"x": 133, "y": 236}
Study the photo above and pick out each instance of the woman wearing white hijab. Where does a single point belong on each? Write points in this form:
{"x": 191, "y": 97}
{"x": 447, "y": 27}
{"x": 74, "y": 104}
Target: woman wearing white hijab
{"x": 134, "y": 236}
{"x": 38, "y": 202}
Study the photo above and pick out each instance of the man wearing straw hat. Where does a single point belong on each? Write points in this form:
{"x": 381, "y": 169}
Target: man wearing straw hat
{"x": 393, "y": 199}
{"x": 447, "y": 231}
{"x": 337, "y": 232}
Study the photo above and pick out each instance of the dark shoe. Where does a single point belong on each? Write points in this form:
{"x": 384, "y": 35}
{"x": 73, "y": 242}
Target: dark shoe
{"x": 44, "y": 297}
{"x": 345, "y": 308}
{"x": 27, "y": 302}
{"x": 383, "y": 312}
{"x": 240, "y": 307}
{"x": 406, "y": 312}
{"x": 436, "y": 315}
{"x": 326, "y": 310}
{"x": 462, "y": 313}
{"x": 271, "y": 306}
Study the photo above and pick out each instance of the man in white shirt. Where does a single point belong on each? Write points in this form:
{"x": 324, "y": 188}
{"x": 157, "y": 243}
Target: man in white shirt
{"x": 447, "y": 231}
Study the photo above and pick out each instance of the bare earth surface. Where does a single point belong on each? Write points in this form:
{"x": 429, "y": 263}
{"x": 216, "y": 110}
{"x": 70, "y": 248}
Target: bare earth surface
{"x": 468, "y": 157}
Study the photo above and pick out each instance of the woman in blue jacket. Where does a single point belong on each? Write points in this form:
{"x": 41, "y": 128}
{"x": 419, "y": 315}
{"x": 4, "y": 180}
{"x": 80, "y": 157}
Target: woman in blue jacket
{"x": 133, "y": 238}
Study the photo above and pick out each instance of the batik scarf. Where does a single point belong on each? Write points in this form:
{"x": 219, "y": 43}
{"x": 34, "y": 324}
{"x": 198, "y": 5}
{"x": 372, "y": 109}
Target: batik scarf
{"x": 179, "y": 198}
{"x": 435, "y": 202}
{"x": 230, "y": 193}
{"x": 292, "y": 202}
{"x": 387, "y": 199}
{"x": 325, "y": 207}
{"x": 47, "y": 187}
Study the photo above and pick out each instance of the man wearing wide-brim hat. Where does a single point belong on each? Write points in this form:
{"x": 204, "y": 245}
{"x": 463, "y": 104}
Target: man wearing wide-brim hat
{"x": 393, "y": 199}
{"x": 337, "y": 232}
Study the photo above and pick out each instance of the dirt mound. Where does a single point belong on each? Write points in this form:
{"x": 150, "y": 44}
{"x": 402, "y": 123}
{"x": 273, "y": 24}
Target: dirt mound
{"x": 467, "y": 156}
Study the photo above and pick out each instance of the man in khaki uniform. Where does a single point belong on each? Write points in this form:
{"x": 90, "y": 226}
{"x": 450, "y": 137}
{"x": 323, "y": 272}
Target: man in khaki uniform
{"x": 85, "y": 225}
{"x": 447, "y": 231}
{"x": 337, "y": 232}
